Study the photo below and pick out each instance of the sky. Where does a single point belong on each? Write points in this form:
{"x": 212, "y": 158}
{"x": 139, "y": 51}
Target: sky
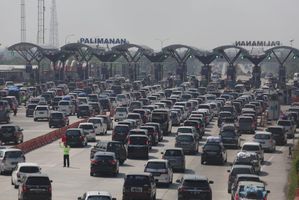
{"x": 204, "y": 24}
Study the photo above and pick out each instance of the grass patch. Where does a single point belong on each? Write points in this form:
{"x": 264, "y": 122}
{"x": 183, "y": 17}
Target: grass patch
{"x": 293, "y": 180}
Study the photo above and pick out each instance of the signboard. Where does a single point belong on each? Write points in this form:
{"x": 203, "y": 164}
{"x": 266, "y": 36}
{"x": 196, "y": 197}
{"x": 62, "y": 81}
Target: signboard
{"x": 104, "y": 41}
{"x": 258, "y": 43}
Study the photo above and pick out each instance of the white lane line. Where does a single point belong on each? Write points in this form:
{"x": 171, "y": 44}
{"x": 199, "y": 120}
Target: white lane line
{"x": 269, "y": 160}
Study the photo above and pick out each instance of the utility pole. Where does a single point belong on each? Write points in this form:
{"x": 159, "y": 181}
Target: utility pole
{"x": 23, "y": 21}
{"x": 41, "y": 22}
{"x": 54, "y": 40}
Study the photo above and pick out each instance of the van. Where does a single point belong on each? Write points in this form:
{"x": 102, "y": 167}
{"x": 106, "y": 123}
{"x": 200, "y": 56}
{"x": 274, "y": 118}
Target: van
{"x": 66, "y": 107}
{"x": 162, "y": 116}
{"x": 120, "y": 133}
{"x": 246, "y": 124}
{"x": 121, "y": 113}
{"x": 41, "y": 112}
{"x": 9, "y": 158}
{"x": 99, "y": 125}
{"x": 88, "y": 130}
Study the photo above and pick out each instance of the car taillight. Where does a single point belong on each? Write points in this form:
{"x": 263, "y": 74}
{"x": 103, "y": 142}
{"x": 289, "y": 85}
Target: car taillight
{"x": 129, "y": 141}
{"x": 81, "y": 138}
{"x": 198, "y": 126}
{"x": 181, "y": 189}
{"x": 237, "y": 196}
{"x": 24, "y": 188}
{"x": 49, "y": 189}
{"x": 147, "y": 142}
{"x": 18, "y": 175}
{"x": 112, "y": 162}
{"x": 93, "y": 161}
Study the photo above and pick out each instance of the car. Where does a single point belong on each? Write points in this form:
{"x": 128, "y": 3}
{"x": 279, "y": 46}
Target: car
{"x": 288, "y": 126}
{"x": 158, "y": 128}
{"x": 248, "y": 158}
{"x": 75, "y": 137}
{"x": 176, "y": 158}
{"x": 230, "y": 138}
{"x": 198, "y": 125}
{"x": 9, "y": 158}
{"x": 246, "y": 124}
{"x": 121, "y": 113}
{"x": 139, "y": 186}
{"x": 84, "y": 110}
{"x": 153, "y": 134}
{"x": 266, "y": 140}
{"x": 188, "y": 129}
{"x": 254, "y": 147}
{"x": 99, "y": 125}
{"x": 138, "y": 146}
{"x": 234, "y": 171}
{"x": 111, "y": 146}
{"x": 251, "y": 190}
{"x": 100, "y": 195}
{"x": 11, "y": 133}
{"x": 135, "y": 116}
{"x": 30, "y": 110}
{"x": 58, "y": 119}
{"x": 104, "y": 162}
{"x": 279, "y": 134}
{"x": 193, "y": 186}
{"x": 243, "y": 177}
{"x": 107, "y": 120}
{"x": 88, "y": 130}
{"x": 67, "y": 107}
{"x": 161, "y": 170}
{"x": 22, "y": 170}
{"x": 35, "y": 186}
{"x": 120, "y": 133}
{"x": 213, "y": 151}
{"x": 187, "y": 142}
{"x": 41, "y": 112}
{"x": 162, "y": 116}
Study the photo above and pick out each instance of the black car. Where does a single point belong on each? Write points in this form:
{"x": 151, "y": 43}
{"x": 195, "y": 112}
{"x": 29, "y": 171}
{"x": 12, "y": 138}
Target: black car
{"x": 84, "y": 110}
{"x": 111, "y": 146}
{"x": 158, "y": 128}
{"x": 222, "y": 115}
{"x": 213, "y": 152}
{"x": 107, "y": 120}
{"x": 138, "y": 146}
{"x": 139, "y": 186}
{"x": 75, "y": 137}
{"x": 230, "y": 138}
{"x": 104, "y": 162}
{"x": 193, "y": 186}
{"x": 120, "y": 133}
{"x": 35, "y": 186}
{"x": 11, "y": 133}
{"x": 30, "y": 110}
{"x": 58, "y": 119}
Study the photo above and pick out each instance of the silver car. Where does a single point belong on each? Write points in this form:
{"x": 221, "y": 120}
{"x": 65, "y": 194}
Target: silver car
{"x": 288, "y": 126}
{"x": 176, "y": 158}
{"x": 187, "y": 142}
{"x": 266, "y": 140}
{"x": 9, "y": 158}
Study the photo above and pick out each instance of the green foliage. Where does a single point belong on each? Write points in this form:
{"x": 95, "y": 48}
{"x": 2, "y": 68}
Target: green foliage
{"x": 293, "y": 180}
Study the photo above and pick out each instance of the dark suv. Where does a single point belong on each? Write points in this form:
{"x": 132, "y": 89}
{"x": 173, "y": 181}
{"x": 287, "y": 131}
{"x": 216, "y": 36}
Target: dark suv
{"x": 139, "y": 186}
{"x": 213, "y": 152}
{"x": 35, "y": 186}
{"x": 11, "y": 133}
{"x": 111, "y": 146}
{"x": 30, "y": 110}
{"x": 120, "y": 133}
{"x": 58, "y": 119}
{"x": 138, "y": 146}
{"x": 194, "y": 187}
{"x": 104, "y": 162}
{"x": 75, "y": 137}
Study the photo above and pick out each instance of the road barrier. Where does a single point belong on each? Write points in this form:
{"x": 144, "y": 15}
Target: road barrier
{"x": 46, "y": 139}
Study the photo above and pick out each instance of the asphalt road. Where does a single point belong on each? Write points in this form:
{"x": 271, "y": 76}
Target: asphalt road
{"x": 69, "y": 183}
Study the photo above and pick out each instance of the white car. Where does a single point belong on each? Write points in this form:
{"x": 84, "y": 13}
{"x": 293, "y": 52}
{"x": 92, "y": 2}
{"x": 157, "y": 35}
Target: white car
{"x": 66, "y": 107}
{"x": 96, "y": 195}
{"x": 265, "y": 139}
{"x": 21, "y": 170}
{"x": 121, "y": 113}
{"x": 89, "y": 131}
{"x": 41, "y": 112}
{"x": 99, "y": 125}
{"x": 254, "y": 147}
{"x": 9, "y": 158}
{"x": 160, "y": 169}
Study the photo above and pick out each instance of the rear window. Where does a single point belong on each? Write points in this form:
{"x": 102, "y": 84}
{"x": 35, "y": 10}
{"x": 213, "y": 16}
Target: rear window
{"x": 31, "y": 106}
{"x": 29, "y": 169}
{"x": 241, "y": 171}
{"x": 121, "y": 128}
{"x": 138, "y": 140}
{"x": 121, "y": 109}
{"x": 173, "y": 153}
{"x": 196, "y": 183}
{"x": 86, "y": 126}
{"x": 262, "y": 136}
{"x": 41, "y": 108}
{"x": 38, "y": 181}
{"x": 211, "y": 147}
{"x": 284, "y": 123}
{"x": 156, "y": 165}
{"x": 56, "y": 115}
{"x": 251, "y": 148}
{"x": 94, "y": 121}
{"x": 275, "y": 131}
{"x": 184, "y": 138}
{"x": 159, "y": 117}
{"x": 184, "y": 130}
{"x": 133, "y": 116}
{"x": 103, "y": 157}
{"x": 190, "y": 123}
{"x": 73, "y": 133}
{"x": 137, "y": 180}
{"x": 13, "y": 154}
{"x": 245, "y": 120}
{"x": 228, "y": 134}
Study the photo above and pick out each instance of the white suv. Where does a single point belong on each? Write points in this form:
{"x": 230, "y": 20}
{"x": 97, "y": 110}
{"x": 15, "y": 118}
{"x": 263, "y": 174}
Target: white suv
{"x": 99, "y": 125}
{"x": 88, "y": 130}
{"x": 41, "y": 112}
{"x": 22, "y": 170}
{"x": 121, "y": 113}
{"x": 9, "y": 158}
{"x": 160, "y": 169}
{"x": 96, "y": 195}
{"x": 265, "y": 139}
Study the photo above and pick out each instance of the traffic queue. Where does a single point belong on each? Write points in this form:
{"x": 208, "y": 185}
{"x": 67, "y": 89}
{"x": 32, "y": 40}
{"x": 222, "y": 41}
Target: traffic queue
{"x": 139, "y": 118}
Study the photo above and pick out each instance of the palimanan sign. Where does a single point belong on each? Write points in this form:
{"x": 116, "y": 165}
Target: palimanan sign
{"x": 105, "y": 41}
{"x": 258, "y": 43}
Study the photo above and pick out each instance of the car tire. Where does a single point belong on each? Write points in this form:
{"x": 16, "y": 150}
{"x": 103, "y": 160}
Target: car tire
{"x": 92, "y": 174}
{"x": 202, "y": 162}
{"x": 121, "y": 162}
{"x": 16, "y": 186}
{"x": 35, "y": 119}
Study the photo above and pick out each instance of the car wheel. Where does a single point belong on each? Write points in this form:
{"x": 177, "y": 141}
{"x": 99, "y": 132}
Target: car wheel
{"x": 16, "y": 186}
{"x": 35, "y": 119}
{"x": 121, "y": 162}
{"x": 202, "y": 162}
{"x": 92, "y": 174}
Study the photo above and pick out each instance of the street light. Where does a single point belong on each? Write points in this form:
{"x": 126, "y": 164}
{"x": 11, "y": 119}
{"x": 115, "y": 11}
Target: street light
{"x": 162, "y": 41}
{"x": 67, "y": 37}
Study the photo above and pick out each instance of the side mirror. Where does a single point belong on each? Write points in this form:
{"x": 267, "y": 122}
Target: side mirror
{"x": 228, "y": 171}
{"x": 162, "y": 153}
{"x": 178, "y": 181}
{"x": 211, "y": 182}
{"x": 79, "y": 198}
{"x": 268, "y": 191}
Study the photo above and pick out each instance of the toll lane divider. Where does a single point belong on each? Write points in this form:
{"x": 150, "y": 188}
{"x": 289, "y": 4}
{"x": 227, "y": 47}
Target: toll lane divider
{"x": 46, "y": 139}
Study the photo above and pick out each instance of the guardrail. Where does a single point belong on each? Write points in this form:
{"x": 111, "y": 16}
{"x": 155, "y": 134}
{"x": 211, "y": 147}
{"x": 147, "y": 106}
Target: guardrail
{"x": 46, "y": 139}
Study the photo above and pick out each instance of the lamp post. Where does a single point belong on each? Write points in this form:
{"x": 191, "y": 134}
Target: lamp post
{"x": 162, "y": 41}
{"x": 67, "y": 37}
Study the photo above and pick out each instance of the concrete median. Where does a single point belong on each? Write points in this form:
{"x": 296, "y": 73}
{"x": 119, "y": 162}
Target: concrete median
{"x": 46, "y": 139}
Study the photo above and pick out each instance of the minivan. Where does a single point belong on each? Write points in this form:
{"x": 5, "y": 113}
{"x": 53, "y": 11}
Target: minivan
{"x": 9, "y": 158}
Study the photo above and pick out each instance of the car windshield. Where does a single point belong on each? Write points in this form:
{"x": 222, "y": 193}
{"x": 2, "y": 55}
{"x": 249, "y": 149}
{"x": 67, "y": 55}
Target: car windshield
{"x": 184, "y": 130}
{"x": 31, "y": 106}
{"x": 137, "y": 180}
{"x": 29, "y": 169}
{"x": 133, "y": 117}
{"x": 121, "y": 109}
{"x": 284, "y": 123}
{"x": 41, "y": 108}
{"x": 222, "y": 115}
{"x": 184, "y": 138}
{"x": 7, "y": 129}
{"x": 173, "y": 153}
{"x": 211, "y": 147}
{"x": 38, "y": 181}
{"x": 196, "y": 183}
{"x": 98, "y": 198}
{"x": 121, "y": 128}
{"x": 64, "y": 103}
{"x": 262, "y": 136}
{"x": 13, "y": 154}
{"x": 245, "y": 120}
{"x": 156, "y": 165}
{"x": 95, "y": 121}
{"x": 159, "y": 117}
{"x": 73, "y": 133}
{"x": 86, "y": 126}
{"x": 228, "y": 134}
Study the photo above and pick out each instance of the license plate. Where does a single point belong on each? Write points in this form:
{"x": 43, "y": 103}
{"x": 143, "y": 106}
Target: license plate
{"x": 37, "y": 190}
{"x": 136, "y": 189}
{"x": 155, "y": 173}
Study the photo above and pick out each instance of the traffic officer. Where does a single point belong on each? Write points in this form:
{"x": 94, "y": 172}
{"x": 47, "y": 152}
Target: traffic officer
{"x": 66, "y": 154}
